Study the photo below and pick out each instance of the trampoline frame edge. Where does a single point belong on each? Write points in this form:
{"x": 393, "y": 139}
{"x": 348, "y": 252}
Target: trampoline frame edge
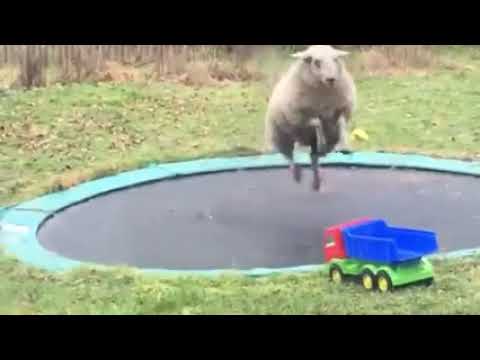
{"x": 19, "y": 224}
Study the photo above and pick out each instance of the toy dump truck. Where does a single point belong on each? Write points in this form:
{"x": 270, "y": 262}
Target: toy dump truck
{"x": 381, "y": 256}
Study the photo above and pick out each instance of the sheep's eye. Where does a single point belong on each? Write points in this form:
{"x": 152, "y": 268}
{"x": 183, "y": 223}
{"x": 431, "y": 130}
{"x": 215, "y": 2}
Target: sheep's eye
{"x": 318, "y": 63}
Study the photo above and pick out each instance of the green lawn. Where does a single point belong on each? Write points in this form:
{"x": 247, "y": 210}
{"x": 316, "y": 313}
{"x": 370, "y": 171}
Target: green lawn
{"x": 56, "y": 137}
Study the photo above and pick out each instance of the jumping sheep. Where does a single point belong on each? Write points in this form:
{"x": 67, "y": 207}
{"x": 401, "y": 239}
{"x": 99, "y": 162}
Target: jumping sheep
{"x": 311, "y": 105}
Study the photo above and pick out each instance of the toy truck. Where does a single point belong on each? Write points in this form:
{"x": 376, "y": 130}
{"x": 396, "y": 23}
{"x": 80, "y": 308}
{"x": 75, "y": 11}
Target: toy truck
{"x": 381, "y": 256}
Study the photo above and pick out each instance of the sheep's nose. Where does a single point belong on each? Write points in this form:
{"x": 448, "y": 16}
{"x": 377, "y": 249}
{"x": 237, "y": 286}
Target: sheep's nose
{"x": 331, "y": 81}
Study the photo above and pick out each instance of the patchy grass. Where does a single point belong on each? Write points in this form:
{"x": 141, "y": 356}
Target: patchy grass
{"x": 123, "y": 291}
{"x": 56, "y": 137}
{"x": 51, "y": 136}
{"x": 435, "y": 113}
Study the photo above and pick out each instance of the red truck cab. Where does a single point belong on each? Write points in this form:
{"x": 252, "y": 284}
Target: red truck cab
{"x": 333, "y": 240}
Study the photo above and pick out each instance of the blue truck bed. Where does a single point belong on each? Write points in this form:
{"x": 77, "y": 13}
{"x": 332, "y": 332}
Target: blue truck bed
{"x": 375, "y": 241}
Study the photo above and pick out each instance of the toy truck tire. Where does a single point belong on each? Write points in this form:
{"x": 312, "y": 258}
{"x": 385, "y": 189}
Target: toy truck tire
{"x": 368, "y": 280}
{"x": 336, "y": 274}
{"x": 384, "y": 282}
{"x": 429, "y": 282}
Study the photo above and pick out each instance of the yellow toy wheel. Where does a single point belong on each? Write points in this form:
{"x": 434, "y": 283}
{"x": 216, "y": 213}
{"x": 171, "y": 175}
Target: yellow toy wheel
{"x": 384, "y": 282}
{"x": 368, "y": 280}
{"x": 336, "y": 274}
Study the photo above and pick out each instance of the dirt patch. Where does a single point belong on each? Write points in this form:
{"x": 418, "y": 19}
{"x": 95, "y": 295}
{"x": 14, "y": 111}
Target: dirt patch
{"x": 197, "y": 74}
{"x": 214, "y": 73}
{"x": 115, "y": 72}
{"x": 8, "y": 75}
{"x": 394, "y": 60}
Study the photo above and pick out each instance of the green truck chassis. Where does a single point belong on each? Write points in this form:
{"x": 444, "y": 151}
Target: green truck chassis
{"x": 380, "y": 276}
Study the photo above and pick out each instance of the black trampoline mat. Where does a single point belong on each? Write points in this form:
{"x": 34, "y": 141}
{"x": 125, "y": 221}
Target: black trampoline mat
{"x": 257, "y": 218}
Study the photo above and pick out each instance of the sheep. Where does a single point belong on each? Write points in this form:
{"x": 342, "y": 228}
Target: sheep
{"x": 311, "y": 105}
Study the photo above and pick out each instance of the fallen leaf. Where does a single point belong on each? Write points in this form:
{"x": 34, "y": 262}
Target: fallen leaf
{"x": 359, "y": 134}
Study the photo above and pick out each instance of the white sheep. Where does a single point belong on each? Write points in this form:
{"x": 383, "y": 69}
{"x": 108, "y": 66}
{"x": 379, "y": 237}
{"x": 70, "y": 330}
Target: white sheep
{"x": 311, "y": 106}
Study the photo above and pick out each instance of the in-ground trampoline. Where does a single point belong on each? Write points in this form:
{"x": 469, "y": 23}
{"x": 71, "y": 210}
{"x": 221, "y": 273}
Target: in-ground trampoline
{"x": 242, "y": 214}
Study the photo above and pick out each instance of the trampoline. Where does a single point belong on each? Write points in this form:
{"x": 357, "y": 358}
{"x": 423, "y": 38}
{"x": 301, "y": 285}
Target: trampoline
{"x": 242, "y": 214}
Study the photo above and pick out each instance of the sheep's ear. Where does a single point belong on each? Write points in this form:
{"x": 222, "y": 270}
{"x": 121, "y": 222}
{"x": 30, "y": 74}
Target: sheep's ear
{"x": 299, "y": 55}
{"x": 341, "y": 53}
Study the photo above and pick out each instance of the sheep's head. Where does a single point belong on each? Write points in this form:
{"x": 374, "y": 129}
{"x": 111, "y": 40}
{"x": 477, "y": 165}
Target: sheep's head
{"x": 323, "y": 63}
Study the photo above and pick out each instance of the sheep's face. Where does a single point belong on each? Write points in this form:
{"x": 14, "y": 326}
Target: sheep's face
{"x": 324, "y": 69}
{"x": 323, "y": 63}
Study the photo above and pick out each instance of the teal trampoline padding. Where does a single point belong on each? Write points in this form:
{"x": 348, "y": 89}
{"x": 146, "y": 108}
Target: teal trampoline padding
{"x": 3, "y": 210}
{"x": 20, "y": 223}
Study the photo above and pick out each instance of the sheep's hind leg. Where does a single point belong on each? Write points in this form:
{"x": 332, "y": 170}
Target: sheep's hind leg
{"x": 343, "y": 145}
{"x": 286, "y": 145}
{"x": 318, "y": 141}
{"x": 296, "y": 170}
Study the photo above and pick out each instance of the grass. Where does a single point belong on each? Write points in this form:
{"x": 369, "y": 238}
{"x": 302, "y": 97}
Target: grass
{"x": 121, "y": 126}
{"x": 56, "y": 137}
{"x": 123, "y": 291}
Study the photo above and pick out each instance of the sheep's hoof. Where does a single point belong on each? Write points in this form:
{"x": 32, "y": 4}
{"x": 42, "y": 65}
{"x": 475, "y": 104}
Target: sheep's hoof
{"x": 316, "y": 183}
{"x": 297, "y": 173}
{"x": 343, "y": 149}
